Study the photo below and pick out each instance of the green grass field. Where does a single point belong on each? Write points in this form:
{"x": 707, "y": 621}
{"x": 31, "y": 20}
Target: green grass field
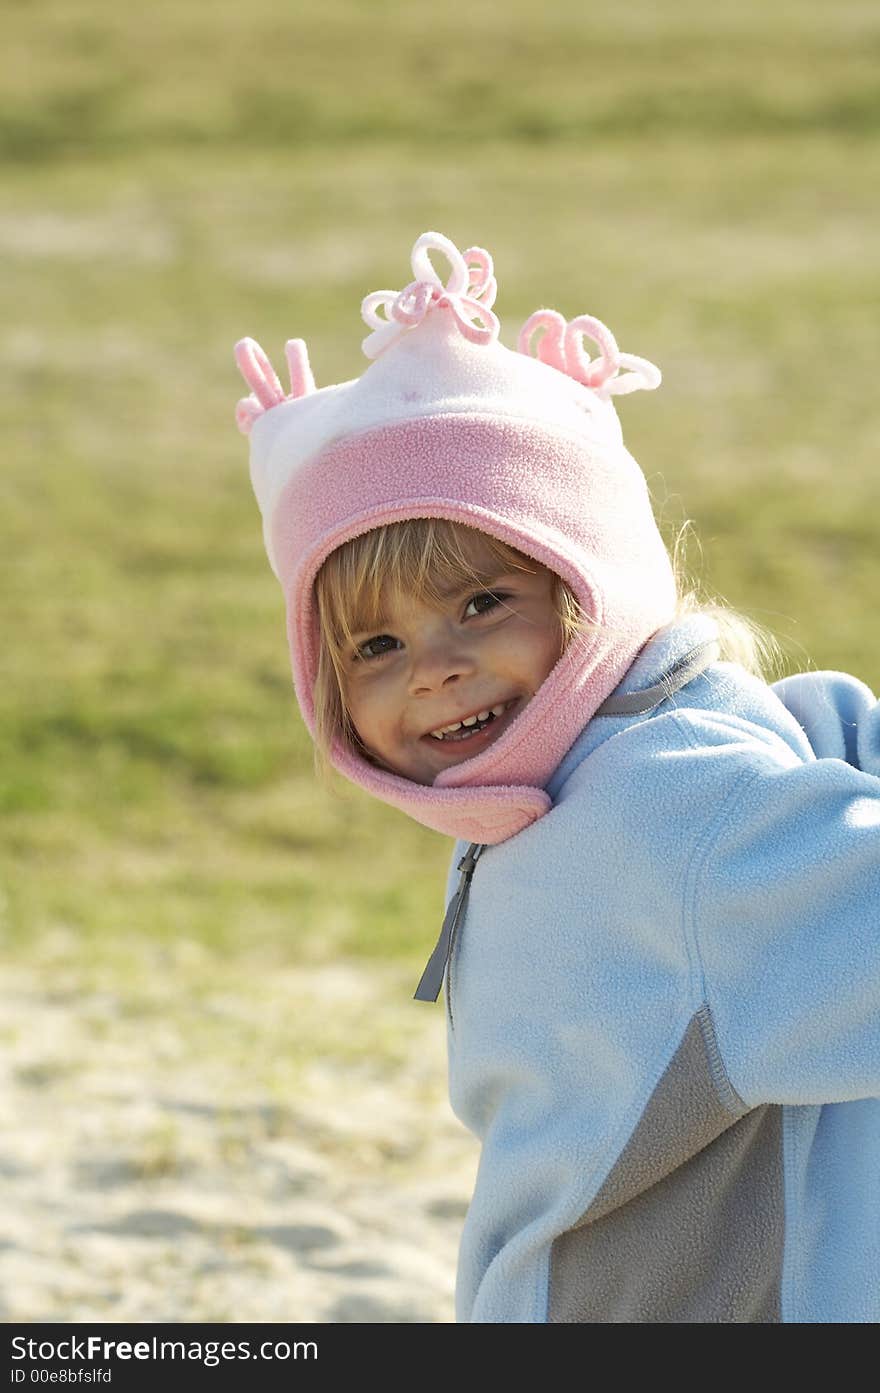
{"x": 704, "y": 180}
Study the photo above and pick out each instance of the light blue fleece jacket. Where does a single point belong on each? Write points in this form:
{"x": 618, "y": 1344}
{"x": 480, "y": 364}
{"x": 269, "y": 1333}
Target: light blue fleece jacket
{"x": 663, "y": 1009}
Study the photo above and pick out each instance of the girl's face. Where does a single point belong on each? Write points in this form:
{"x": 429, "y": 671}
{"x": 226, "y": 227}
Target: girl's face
{"x": 473, "y": 663}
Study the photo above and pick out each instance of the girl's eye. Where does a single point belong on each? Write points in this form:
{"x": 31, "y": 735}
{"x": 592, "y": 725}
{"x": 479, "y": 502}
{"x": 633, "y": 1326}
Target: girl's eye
{"x": 493, "y": 597}
{"x": 375, "y": 647}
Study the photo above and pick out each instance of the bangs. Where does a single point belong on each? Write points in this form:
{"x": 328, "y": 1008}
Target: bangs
{"x": 422, "y": 556}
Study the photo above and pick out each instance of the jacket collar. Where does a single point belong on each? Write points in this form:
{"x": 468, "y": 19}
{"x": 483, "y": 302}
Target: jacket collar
{"x": 675, "y": 656}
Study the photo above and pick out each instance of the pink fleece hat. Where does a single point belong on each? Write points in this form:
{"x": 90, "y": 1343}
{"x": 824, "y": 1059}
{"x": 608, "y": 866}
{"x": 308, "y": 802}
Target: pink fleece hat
{"x": 448, "y": 423}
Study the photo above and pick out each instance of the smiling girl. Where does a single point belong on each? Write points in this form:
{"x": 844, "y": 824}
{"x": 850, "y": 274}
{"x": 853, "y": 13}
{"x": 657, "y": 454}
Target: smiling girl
{"x": 661, "y": 960}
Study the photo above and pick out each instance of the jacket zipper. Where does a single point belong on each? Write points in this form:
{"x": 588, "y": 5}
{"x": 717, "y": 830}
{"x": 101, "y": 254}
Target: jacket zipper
{"x": 441, "y": 958}
{"x": 466, "y": 865}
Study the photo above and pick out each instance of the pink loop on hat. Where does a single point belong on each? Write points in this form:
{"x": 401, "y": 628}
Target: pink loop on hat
{"x": 560, "y": 345}
{"x": 423, "y": 269}
{"x": 466, "y": 310}
{"x": 482, "y": 275}
{"x": 246, "y": 412}
{"x": 592, "y": 374}
{"x": 411, "y": 305}
{"x": 259, "y": 374}
{"x": 551, "y": 345}
{"x": 645, "y": 376}
{"x": 302, "y": 382}
{"x": 469, "y": 293}
{"x": 375, "y": 299}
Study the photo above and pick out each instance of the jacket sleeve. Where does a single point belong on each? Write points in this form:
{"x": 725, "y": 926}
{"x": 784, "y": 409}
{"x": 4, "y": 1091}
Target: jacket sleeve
{"x": 783, "y": 915}
{"x": 839, "y": 715}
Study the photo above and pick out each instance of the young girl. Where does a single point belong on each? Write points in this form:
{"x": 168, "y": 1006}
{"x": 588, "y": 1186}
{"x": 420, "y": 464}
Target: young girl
{"x": 661, "y": 948}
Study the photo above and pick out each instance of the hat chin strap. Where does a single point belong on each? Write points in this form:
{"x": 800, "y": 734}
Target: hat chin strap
{"x": 685, "y": 670}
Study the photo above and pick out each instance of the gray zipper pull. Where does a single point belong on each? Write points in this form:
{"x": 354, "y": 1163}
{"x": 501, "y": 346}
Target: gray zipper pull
{"x": 432, "y": 977}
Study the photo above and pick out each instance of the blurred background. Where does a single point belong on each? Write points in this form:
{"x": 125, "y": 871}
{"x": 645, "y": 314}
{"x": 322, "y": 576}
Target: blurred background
{"x": 220, "y": 1102}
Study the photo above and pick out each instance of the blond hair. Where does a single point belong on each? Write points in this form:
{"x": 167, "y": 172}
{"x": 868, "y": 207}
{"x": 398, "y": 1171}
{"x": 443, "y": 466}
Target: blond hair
{"x": 425, "y": 557}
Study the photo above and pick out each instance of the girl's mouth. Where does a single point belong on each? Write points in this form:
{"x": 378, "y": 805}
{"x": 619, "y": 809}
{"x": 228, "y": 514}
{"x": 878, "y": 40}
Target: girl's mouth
{"x": 462, "y": 732}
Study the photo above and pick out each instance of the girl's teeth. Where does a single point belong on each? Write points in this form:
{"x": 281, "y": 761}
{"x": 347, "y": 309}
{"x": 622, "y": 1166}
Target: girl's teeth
{"x": 445, "y": 730}
{"x": 470, "y": 720}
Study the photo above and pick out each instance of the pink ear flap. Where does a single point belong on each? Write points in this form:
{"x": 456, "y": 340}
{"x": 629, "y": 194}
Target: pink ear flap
{"x": 266, "y": 390}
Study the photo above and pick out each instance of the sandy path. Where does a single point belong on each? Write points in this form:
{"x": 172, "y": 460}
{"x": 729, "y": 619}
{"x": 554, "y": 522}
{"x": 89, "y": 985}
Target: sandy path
{"x": 147, "y": 1180}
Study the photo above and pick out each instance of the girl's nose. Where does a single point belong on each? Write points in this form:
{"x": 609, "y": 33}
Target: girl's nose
{"x": 438, "y": 664}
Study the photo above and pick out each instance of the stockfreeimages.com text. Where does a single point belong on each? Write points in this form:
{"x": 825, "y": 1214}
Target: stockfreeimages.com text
{"x": 208, "y": 1352}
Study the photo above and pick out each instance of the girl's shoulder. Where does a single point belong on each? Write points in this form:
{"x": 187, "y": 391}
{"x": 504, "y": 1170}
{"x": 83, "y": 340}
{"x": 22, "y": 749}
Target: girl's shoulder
{"x": 838, "y": 713}
{"x": 805, "y": 717}
{"x": 663, "y": 782}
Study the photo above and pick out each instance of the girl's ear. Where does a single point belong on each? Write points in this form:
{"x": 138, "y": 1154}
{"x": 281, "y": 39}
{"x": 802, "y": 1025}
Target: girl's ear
{"x": 561, "y": 346}
{"x": 266, "y": 390}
